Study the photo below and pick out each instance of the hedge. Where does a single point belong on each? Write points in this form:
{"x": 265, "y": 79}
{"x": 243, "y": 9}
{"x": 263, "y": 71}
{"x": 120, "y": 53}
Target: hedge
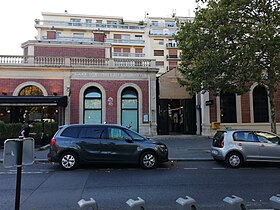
{"x": 12, "y": 130}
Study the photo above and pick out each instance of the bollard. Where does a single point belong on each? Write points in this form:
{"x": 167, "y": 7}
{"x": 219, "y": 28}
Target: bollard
{"x": 275, "y": 202}
{"x": 234, "y": 203}
{"x": 187, "y": 203}
{"x": 86, "y": 205}
{"x": 136, "y": 204}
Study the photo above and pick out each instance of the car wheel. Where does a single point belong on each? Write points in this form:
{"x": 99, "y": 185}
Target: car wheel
{"x": 68, "y": 160}
{"x": 234, "y": 160}
{"x": 148, "y": 160}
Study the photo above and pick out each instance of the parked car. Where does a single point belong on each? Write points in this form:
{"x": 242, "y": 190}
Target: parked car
{"x": 238, "y": 146}
{"x": 77, "y": 144}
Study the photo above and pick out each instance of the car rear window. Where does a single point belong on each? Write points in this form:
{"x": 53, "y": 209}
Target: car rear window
{"x": 71, "y": 132}
{"x": 218, "y": 138}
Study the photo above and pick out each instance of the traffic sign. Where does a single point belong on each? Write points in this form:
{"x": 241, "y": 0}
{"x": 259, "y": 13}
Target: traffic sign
{"x": 11, "y": 152}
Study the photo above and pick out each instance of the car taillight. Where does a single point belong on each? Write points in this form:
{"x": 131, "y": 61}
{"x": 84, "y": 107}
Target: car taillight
{"x": 52, "y": 142}
{"x": 222, "y": 143}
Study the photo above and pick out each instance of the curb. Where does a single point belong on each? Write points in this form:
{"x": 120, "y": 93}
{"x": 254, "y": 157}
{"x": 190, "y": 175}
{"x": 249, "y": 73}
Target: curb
{"x": 40, "y": 160}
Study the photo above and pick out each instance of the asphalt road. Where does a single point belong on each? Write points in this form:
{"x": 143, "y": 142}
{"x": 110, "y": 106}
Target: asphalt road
{"x": 46, "y": 186}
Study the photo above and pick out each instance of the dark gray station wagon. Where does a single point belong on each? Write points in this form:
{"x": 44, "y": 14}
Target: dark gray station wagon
{"x": 83, "y": 143}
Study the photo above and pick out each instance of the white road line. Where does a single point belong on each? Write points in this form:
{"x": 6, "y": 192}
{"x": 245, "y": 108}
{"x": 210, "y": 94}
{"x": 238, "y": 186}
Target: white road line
{"x": 219, "y": 168}
{"x": 190, "y": 168}
{"x": 23, "y": 172}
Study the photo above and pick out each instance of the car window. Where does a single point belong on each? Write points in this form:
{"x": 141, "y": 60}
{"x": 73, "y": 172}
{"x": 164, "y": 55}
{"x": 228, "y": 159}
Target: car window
{"x": 71, "y": 132}
{"x": 135, "y": 136}
{"x": 117, "y": 133}
{"x": 267, "y": 137}
{"x": 244, "y": 136}
{"x": 91, "y": 132}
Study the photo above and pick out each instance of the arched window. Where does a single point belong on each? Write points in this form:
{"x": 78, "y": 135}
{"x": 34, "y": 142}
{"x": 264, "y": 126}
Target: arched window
{"x": 31, "y": 90}
{"x": 93, "y": 106}
{"x": 129, "y": 112}
{"x": 260, "y": 104}
{"x": 228, "y": 108}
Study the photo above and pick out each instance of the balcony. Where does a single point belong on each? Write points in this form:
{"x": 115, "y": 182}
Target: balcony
{"x": 126, "y": 41}
{"x": 86, "y": 26}
{"x": 171, "y": 45}
{"x": 172, "y": 57}
{"x": 80, "y": 62}
{"x": 129, "y": 42}
{"x": 128, "y": 55}
{"x": 69, "y": 39}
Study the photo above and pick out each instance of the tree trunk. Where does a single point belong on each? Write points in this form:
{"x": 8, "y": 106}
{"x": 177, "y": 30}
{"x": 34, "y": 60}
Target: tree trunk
{"x": 271, "y": 94}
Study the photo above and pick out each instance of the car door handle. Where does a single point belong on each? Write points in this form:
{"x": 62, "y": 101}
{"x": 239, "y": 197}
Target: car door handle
{"x": 239, "y": 144}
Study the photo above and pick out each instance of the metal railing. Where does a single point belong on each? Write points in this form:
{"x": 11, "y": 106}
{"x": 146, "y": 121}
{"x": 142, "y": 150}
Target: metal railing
{"x": 88, "y": 25}
{"x": 11, "y": 60}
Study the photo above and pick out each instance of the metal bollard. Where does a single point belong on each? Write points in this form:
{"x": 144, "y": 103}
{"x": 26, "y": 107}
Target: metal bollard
{"x": 234, "y": 203}
{"x": 275, "y": 202}
{"x": 86, "y": 205}
{"x": 187, "y": 203}
{"x": 136, "y": 204}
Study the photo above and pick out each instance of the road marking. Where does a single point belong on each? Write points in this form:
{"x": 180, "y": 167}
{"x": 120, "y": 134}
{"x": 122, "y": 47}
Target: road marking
{"x": 219, "y": 168}
{"x": 24, "y": 172}
{"x": 190, "y": 168}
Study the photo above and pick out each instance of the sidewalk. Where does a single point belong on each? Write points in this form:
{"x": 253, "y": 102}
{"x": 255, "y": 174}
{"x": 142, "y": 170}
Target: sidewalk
{"x": 181, "y": 148}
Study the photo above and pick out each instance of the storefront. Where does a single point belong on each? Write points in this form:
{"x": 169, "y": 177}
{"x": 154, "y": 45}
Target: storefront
{"x": 22, "y": 109}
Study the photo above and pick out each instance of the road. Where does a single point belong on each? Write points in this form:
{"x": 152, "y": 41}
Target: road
{"x": 46, "y": 186}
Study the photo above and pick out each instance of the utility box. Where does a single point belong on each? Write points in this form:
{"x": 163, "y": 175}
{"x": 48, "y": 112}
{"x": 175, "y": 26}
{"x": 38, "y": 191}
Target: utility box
{"x": 11, "y": 152}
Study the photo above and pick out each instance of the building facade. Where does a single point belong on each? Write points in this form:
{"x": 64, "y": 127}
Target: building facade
{"x": 96, "y": 69}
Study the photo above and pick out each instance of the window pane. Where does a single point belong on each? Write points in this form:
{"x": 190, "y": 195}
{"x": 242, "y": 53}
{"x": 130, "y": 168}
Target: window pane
{"x": 135, "y": 135}
{"x": 228, "y": 108}
{"x": 129, "y": 93}
{"x": 93, "y": 116}
{"x": 129, "y": 119}
{"x": 260, "y": 103}
{"x": 92, "y": 104}
{"x": 116, "y": 133}
{"x": 129, "y": 103}
{"x": 91, "y": 132}
{"x": 93, "y": 95}
{"x": 31, "y": 90}
{"x": 71, "y": 132}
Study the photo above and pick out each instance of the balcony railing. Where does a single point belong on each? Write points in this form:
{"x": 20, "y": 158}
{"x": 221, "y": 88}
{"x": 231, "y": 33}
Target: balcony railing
{"x": 125, "y": 41}
{"x": 91, "y": 40}
{"x": 129, "y": 55}
{"x": 172, "y": 57}
{"x": 171, "y": 45}
{"x": 88, "y": 25}
{"x": 10, "y": 60}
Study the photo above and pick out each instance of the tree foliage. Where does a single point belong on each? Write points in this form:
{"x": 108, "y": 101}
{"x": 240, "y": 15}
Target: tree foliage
{"x": 229, "y": 45}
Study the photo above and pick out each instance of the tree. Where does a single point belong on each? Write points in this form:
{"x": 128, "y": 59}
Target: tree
{"x": 229, "y": 45}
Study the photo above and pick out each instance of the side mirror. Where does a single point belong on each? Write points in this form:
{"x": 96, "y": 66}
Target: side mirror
{"x": 129, "y": 140}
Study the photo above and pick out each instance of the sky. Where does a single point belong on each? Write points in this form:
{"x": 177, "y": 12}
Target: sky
{"x": 17, "y": 16}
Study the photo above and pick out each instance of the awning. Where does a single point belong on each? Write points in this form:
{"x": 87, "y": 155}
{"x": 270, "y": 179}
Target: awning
{"x": 33, "y": 101}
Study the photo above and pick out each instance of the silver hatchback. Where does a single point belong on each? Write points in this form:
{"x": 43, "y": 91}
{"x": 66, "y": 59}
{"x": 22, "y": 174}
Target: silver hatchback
{"x": 238, "y": 146}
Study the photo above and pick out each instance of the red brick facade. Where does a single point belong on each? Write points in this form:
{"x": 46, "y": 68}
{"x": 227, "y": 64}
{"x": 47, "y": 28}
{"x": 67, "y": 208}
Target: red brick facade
{"x": 51, "y": 85}
{"x": 53, "y": 51}
{"x": 111, "y": 87}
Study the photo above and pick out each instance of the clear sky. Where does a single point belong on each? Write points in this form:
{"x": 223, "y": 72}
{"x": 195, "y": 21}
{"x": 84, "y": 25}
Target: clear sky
{"x": 17, "y": 16}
